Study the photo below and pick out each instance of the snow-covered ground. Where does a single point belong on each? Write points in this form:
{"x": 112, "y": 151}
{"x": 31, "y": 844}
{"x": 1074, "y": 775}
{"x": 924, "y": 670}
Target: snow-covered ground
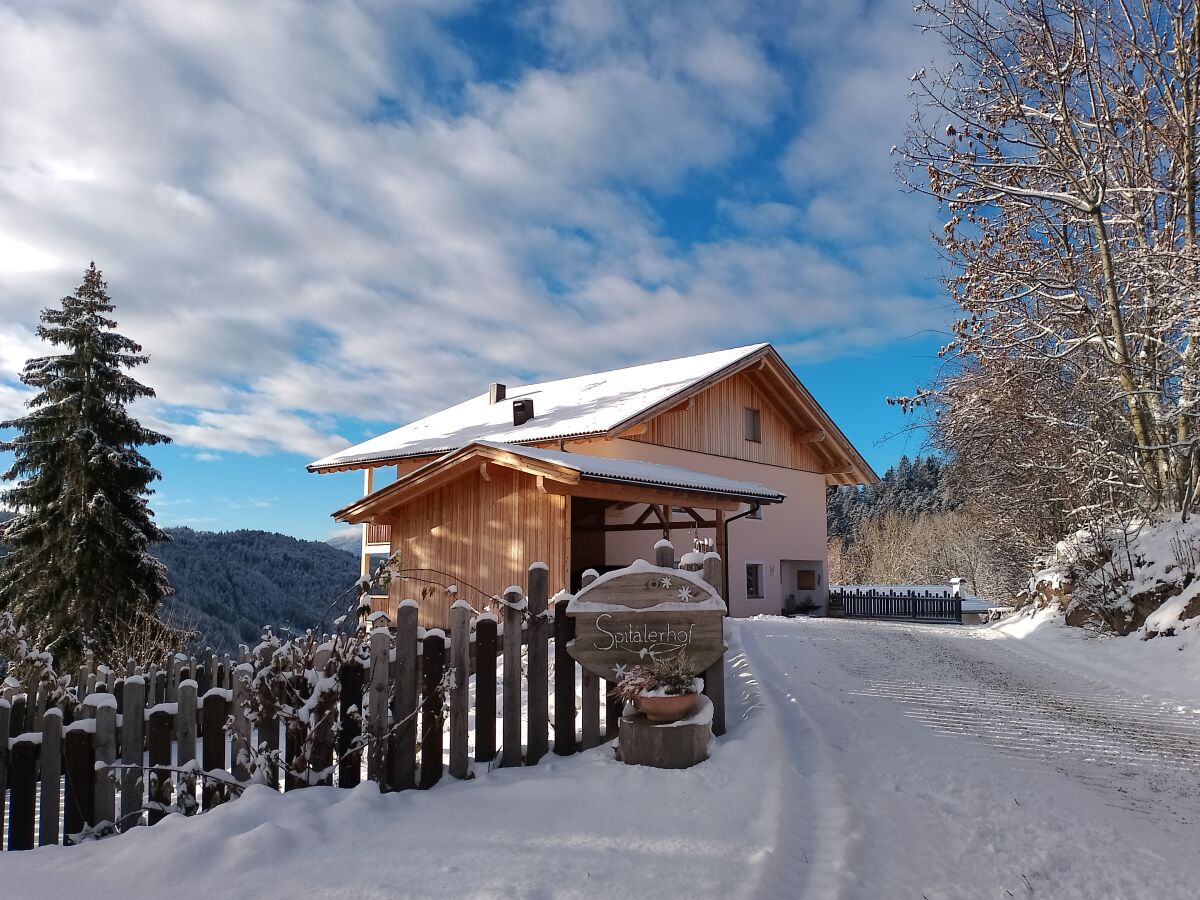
{"x": 867, "y": 759}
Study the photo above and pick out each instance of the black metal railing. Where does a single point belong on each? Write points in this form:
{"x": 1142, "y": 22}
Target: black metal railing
{"x": 920, "y": 606}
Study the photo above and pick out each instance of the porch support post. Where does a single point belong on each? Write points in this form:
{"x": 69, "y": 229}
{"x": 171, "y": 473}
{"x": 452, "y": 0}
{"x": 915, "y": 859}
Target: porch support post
{"x": 723, "y": 551}
{"x": 364, "y": 564}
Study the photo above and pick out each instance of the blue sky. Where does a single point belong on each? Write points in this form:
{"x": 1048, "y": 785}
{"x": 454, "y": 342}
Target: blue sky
{"x": 324, "y": 220}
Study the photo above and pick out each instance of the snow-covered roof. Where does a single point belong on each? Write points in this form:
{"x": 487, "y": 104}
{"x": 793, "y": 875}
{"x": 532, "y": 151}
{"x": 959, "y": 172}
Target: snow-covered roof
{"x": 556, "y": 465}
{"x": 568, "y": 407}
{"x": 635, "y": 471}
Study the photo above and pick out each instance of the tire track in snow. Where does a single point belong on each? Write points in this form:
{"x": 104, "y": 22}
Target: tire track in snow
{"x": 812, "y": 827}
{"x": 1142, "y": 754}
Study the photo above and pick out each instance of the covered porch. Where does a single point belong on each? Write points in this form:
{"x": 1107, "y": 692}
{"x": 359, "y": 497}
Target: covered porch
{"x": 468, "y": 524}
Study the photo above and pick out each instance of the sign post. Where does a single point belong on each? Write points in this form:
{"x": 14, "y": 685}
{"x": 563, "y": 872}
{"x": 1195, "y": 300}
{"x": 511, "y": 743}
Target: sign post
{"x": 639, "y": 615}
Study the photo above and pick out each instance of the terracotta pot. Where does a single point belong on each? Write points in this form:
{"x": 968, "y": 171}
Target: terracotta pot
{"x": 665, "y": 708}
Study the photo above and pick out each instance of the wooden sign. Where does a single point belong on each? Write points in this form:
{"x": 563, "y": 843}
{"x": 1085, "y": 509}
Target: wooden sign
{"x": 643, "y": 613}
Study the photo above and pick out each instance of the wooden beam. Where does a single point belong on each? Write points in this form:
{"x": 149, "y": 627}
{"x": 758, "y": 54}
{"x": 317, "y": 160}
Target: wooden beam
{"x": 601, "y": 490}
{"x": 635, "y": 430}
{"x": 484, "y": 473}
{"x": 674, "y": 526}
{"x": 645, "y": 514}
{"x": 812, "y": 436}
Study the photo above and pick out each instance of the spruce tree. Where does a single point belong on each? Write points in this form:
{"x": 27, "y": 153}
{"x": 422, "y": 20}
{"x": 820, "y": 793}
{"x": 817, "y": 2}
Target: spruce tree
{"x": 79, "y": 569}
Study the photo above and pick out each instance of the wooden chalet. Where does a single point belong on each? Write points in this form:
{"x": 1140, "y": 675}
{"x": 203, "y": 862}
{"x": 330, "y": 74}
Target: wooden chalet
{"x": 723, "y": 450}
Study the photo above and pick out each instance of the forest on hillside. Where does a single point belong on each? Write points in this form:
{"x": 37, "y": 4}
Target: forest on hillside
{"x": 915, "y": 527}
{"x": 228, "y": 585}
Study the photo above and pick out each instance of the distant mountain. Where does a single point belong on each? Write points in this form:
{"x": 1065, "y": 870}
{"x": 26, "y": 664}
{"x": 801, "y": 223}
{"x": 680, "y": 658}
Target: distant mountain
{"x": 229, "y": 584}
{"x": 351, "y": 541}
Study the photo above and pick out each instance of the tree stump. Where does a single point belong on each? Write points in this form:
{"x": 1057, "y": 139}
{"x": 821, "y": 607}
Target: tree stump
{"x": 672, "y": 745}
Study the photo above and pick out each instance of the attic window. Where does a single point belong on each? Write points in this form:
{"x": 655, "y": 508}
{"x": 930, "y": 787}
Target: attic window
{"x": 753, "y": 426}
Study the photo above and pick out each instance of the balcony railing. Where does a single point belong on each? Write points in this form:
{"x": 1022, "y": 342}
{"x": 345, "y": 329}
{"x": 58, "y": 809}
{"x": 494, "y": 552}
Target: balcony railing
{"x": 379, "y": 534}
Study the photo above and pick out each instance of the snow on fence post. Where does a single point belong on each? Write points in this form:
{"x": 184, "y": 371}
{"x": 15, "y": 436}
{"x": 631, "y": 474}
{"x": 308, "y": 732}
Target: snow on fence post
{"x": 485, "y": 687}
{"x": 80, "y": 781}
{"x": 433, "y": 661}
{"x": 377, "y": 705}
{"x": 714, "y": 675}
{"x": 350, "y": 677}
{"x": 105, "y": 749}
{"x": 590, "y": 688}
{"x": 5, "y": 718}
{"x": 460, "y": 663}
{"x": 239, "y": 740}
{"x": 23, "y": 791}
{"x": 51, "y": 774}
{"x": 402, "y": 753}
{"x": 537, "y": 693}
{"x": 158, "y": 747}
{"x": 514, "y": 613}
{"x": 133, "y": 722}
{"x": 185, "y": 741}
{"x": 564, "y": 681}
{"x": 214, "y": 708}
{"x": 664, "y": 554}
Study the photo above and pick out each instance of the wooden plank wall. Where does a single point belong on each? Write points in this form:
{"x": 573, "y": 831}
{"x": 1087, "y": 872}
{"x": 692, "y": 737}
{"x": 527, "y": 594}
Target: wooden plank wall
{"x": 714, "y": 423}
{"x": 482, "y": 534}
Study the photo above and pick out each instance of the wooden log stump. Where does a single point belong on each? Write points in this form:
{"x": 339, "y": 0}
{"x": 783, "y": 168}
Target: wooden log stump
{"x": 675, "y": 745}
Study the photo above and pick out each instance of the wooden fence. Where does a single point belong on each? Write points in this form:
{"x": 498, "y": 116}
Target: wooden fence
{"x": 123, "y": 751}
{"x": 931, "y": 606}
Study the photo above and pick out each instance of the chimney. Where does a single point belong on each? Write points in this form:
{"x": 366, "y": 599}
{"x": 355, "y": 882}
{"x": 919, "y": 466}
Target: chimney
{"x": 496, "y": 392}
{"x": 522, "y": 410}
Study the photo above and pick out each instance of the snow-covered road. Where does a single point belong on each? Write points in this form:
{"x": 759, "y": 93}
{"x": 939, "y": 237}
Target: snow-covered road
{"x": 867, "y": 760}
{"x": 941, "y": 761}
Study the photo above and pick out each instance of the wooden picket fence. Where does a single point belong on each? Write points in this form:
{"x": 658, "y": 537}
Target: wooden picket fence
{"x": 126, "y": 754}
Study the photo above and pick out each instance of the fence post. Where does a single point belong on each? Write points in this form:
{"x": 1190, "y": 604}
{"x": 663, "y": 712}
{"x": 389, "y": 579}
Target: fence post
{"x": 564, "y": 682}
{"x": 5, "y": 718}
{"x": 105, "y": 747}
{"x": 185, "y": 742}
{"x": 514, "y": 609}
{"x": 485, "y": 687}
{"x": 158, "y": 748}
{"x": 51, "y": 773}
{"x": 433, "y": 660}
{"x": 23, "y": 778}
{"x": 403, "y": 763}
{"x": 239, "y": 741}
{"x": 133, "y": 722}
{"x": 215, "y": 711}
{"x": 377, "y": 705}
{"x": 537, "y": 692}
{"x": 460, "y": 663}
{"x": 350, "y": 677}
{"x": 590, "y": 690}
{"x": 79, "y": 797}
{"x": 664, "y": 554}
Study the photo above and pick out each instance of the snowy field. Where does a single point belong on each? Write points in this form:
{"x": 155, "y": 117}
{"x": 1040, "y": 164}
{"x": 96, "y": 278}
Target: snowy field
{"x": 866, "y": 760}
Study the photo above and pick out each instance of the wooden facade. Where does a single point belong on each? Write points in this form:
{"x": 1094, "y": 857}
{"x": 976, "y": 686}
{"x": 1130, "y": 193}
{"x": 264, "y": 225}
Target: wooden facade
{"x": 479, "y": 534}
{"x": 713, "y": 422}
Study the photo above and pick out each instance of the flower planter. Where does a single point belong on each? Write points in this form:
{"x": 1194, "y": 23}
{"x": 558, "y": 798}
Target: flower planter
{"x": 665, "y": 707}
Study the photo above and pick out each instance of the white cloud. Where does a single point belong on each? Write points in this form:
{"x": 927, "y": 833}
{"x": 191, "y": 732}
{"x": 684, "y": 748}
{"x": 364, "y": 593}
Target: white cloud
{"x": 289, "y": 257}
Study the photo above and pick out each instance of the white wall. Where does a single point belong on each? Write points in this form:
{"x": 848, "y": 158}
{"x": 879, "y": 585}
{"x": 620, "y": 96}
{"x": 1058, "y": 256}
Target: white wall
{"x": 794, "y": 529}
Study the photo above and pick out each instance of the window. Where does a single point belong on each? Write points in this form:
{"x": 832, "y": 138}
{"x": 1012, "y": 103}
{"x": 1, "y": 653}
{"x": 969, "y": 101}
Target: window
{"x": 753, "y": 426}
{"x": 806, "y": 580}
{"x": 754, "y": 581}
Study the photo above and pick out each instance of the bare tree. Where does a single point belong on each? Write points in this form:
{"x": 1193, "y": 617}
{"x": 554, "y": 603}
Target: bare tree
{"x": 1062, "y": 142}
